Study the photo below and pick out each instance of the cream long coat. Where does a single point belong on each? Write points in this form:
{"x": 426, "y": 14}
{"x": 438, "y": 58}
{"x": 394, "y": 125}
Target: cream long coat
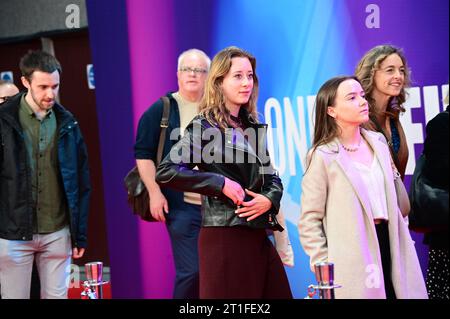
{"x": 336, "y": 225}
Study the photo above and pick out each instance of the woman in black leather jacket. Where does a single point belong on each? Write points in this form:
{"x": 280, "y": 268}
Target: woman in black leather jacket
{"x": 241, "y": 192}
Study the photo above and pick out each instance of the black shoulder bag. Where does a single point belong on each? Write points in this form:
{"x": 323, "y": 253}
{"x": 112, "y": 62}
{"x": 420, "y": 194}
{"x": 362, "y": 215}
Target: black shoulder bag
{"x": 138, "y": 196}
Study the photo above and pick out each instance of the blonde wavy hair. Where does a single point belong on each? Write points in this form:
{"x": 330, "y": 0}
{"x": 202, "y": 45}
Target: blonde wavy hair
{"x": 212, "y": 105}
{"x": 365, "y": 72}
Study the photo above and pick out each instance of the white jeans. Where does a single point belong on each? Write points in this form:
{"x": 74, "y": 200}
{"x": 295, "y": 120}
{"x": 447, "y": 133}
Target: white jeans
{"x": 53, "y": 257}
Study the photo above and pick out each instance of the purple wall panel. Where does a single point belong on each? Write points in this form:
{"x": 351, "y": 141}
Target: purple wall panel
{"x": 108, "y": 35}
{"x": 153, "y": 73}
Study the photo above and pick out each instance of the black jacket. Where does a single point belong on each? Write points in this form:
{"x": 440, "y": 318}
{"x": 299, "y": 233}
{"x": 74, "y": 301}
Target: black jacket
{"x": 220, "y": 154}
{"x": 436, "y": 167}
{"x": 16, "y": 211}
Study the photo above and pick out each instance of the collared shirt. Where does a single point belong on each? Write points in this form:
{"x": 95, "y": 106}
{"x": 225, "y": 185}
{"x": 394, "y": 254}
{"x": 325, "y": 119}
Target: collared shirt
{"x": 50, "y": 208}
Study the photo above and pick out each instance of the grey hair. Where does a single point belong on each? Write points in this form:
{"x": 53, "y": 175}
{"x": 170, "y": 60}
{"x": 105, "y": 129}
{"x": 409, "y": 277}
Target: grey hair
{"x": 194, "y": 51}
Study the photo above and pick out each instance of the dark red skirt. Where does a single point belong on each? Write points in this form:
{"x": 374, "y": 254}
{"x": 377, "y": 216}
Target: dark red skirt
{"x": 240, "y": 263}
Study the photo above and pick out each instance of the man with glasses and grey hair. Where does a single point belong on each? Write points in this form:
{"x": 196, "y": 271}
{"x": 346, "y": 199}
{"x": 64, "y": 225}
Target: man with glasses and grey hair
{"x": 179, "y": 210}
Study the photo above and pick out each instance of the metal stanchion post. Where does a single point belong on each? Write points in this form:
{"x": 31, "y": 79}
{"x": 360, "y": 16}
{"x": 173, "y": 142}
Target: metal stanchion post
{"x": 93, "y": 285}
{"x": 325, "y": 281}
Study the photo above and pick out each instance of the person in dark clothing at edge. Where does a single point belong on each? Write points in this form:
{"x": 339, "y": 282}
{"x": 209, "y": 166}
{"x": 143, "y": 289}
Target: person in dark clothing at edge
{"x": 436, "y": 170}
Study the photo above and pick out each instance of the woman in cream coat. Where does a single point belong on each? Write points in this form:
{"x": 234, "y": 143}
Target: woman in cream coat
{"x": 350, "y": 215}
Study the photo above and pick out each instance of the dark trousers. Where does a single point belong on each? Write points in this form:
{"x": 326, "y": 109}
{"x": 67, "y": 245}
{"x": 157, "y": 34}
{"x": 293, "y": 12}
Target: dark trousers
{"x": 385, "y": 251}
{"x": 183, "y": 226}
{"x": 240, "y": 263}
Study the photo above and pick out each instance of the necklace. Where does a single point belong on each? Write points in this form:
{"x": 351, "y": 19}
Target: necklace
{"x": 348, "y": 149}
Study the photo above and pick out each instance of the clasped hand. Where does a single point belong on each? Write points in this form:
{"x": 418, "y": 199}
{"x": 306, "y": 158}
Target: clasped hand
{"x": 251, "y": 209}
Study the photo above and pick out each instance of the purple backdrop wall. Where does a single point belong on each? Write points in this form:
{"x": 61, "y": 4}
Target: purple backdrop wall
{"x": 110, "y": 55}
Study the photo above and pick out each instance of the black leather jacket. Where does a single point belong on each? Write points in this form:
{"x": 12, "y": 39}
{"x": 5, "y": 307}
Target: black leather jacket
{"x": 219, "y": 154}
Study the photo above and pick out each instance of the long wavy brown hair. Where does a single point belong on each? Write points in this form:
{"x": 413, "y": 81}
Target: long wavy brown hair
{"x": 212, "y": 105}
{"x": 365, "y": 72}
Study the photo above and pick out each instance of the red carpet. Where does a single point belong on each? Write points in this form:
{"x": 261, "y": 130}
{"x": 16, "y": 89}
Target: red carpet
{"x": 75, "y": 293}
